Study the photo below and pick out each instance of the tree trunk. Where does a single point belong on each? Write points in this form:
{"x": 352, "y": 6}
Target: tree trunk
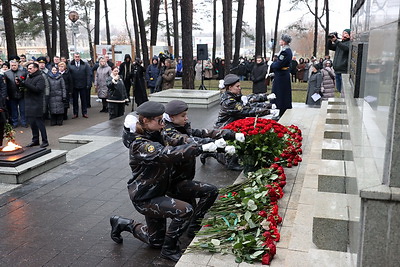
{"x": 63, "y": 32}
{"x": 187, "y": 45}
{"x": 167, "y": 23}
{"x": 154, "y": 12}
{"x": 87, "y": 14}
{"x": 46, "y": 28}
{"x": 264, "y": 35}
{"x": 238, "y": 31}
{"x": 259, "y": 27}
{"x": 136, "y": 29}
{"x": 126, "y": 23}
{"x": 9, "y": 28}
{"x": 327, "y": 26}
{"x": 143, "y": 38}
{"x": 97, "y": 22}
{"x": 107, "y": 23}
{"x": 175, "y": 21}
{"x": 214, "y": 48}
{"x": 276, "y": 29}
{"x": 227, "y": 22}
{"x": 54, "y": 28}
{"x": 315, "y": 28}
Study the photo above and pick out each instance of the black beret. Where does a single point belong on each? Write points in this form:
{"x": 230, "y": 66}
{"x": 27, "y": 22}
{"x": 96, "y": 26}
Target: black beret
{"x": 41, "y": 59}
{"x": 150, "y": 109}
{"x": 231, "y": 79}
{"x": 175, "y": 107}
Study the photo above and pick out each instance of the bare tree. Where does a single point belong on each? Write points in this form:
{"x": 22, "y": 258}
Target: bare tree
{"x": 97, "y": 22}
{"x": 238, "y": 31}
{"x": 46, "y": 28}
{"x": 143, "y": 38}
{"x": 315, "y": 28}
{"x": 278, "y": 10}
{"x": 126, "y": 22}
{"x": 154, "y": 12}
{"x": 175, "y": 21}
{"x": 54, "y": 28}
{"x": 214, "y": 48}
{"x": 259, "y": 27}
{"x": 227, "y": 22}
{"x": 87, "y": 8}
{"x": 136, "y": 28}
{"x": 107, "y": 23}
{"x": 187, "y": 45}
{"x": 9, "y": 28}
{"x": 63, "y": 32}
{"x": 327, "y": 26}
{"x": 167, "y": 23}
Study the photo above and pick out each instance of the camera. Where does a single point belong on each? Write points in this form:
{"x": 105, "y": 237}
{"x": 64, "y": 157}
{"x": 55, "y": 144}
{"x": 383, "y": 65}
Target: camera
{"x": 333, "y": 34}
{"x": 164, "y": 55}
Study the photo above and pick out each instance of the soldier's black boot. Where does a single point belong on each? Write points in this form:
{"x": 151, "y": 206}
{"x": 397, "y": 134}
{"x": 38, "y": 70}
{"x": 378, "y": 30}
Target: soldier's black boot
{"x": 170, "y": 249}
{"x": 193, "y": 228}
{"x": 118, "y": 225}
{"x": 233, "y": 164}
{"x": 204, "y": 156}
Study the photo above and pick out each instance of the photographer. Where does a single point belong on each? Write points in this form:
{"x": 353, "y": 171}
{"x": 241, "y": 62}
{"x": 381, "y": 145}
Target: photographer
{"x": 340, "y": 61}
{"x": 137, "y": 78}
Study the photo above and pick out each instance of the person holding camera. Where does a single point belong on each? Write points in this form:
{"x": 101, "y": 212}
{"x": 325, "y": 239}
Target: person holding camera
{"x": 340, "y": 61}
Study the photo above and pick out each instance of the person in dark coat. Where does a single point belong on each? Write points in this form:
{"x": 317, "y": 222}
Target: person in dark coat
{"x": 57, "y": 97}
{"x": 81, "y": 76}
{"x": 314, "y": 85}
{"x": 117, "y": 97}
{"x": 62, "y": 68}
{"x": 293, "y": 69}
{"x": 34, "y": 87}
{"x": 258, "y": 73}
{"x": 152, "y": 163}
{"x": 3, "y": 107}
{"x": 281, "y": 71}
{"x": 152, "y": 74}
{"x": 139, "y": 87}
{"x": 125, "y": 70}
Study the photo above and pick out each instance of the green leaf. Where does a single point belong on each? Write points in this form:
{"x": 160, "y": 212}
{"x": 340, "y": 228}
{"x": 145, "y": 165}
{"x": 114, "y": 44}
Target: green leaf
{"x": 256, "y": 254}
{"x": 251, "y": 224}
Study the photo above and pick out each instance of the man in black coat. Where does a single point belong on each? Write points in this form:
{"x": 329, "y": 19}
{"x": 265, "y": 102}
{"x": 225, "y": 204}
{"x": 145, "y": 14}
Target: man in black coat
{"x": 80, "y": 72}
{"x": 258, "y": 73}
{"x": 3, "y": 107}
{"x": 34, "y": 87}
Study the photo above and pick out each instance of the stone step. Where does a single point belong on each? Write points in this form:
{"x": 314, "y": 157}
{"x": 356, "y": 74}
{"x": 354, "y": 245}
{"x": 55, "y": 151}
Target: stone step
{"x": 194, "y": 98}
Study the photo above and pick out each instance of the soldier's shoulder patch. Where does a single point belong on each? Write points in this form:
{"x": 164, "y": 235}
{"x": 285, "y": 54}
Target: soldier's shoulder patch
{"x": 238, "y": 106}
{"x": 149, "y": 148}
{"x": 281, "y": 57}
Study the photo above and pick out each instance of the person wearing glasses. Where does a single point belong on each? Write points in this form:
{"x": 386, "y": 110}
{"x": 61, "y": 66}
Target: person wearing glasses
{"x": 153, "y": 162}
{"x": 117, "y": 96}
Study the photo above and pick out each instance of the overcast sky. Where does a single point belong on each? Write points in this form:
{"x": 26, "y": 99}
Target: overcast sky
{"x": 339, "y": 15}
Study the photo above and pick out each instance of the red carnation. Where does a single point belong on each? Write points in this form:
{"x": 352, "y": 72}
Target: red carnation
{"x": 263, "y": 213}
{"x": 266, "y": 259}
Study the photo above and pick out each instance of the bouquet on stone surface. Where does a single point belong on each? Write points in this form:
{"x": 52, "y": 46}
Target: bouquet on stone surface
{"x": 244, "y": 219}
{"x": 266, "y": 142}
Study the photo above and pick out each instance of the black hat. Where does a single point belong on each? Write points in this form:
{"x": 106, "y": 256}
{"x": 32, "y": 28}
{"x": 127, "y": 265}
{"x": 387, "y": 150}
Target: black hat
{"x": 286, "y": 38}
{"x": 150, "y": 109}
{"x": 41, "y": 60}
{"x": 175, "y": 107}
{"x": 231, "y": 79}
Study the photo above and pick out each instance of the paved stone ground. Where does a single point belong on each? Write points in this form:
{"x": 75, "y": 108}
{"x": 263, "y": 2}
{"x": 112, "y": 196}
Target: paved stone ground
{"x": 61, "y": 218}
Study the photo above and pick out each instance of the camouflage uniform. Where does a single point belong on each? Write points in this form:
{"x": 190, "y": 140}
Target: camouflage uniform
{"x": 233, "y": 108}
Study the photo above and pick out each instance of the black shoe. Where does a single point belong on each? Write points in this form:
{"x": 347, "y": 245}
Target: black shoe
{"x": 203, "y": 159}
{"x": 119, "y": 224}
{"x": 32, "y": 144}
{"x": 170, "y": 249}
{"x": 44, "y": 144}
{"x": 193, "y": 229}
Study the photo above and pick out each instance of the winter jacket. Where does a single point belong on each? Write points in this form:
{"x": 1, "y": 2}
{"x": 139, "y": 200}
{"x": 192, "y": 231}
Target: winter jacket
{"x": 168, "y": 78}
{"x": 233, "y": 108}
{"x": 314, "y": 86}
{"x": 340, "y": 61}
{"x": 13, "y": 90}
{"x": 69, "y": 86}
{"x": 58, "y": 94}
{"x": 152, "y": 163}
{"x": 152, "y": 73}
{"x": 102, "y": 74}
{"x": 34, "y": 94}
{"x": 258, "y": 76}
{"x": 116, "y": 90}
{"x": 300, "y": 71}
{"x": 328, "y": 83}
{"x": 282, "y": 86}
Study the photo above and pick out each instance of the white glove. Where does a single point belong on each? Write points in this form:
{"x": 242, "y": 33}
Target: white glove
{"x": 239, "y": 137}
{"x": 220, "y": 143}
{"x": 271, "y": 96}
{"x": 130, "y": 122}
{"x": 244, "y": 99}
{"x": 221, "y": 84}
{"x": 271, "y": 75}
{"x": 275, "y": 112}
{"x": 230, "y": 150}
{"x": 273, "y": 106}
{"x": 210, "y": 147}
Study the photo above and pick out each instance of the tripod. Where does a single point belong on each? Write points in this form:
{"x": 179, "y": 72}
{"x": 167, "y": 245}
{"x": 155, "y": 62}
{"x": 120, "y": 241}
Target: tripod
{"x": 202, "y": 86}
